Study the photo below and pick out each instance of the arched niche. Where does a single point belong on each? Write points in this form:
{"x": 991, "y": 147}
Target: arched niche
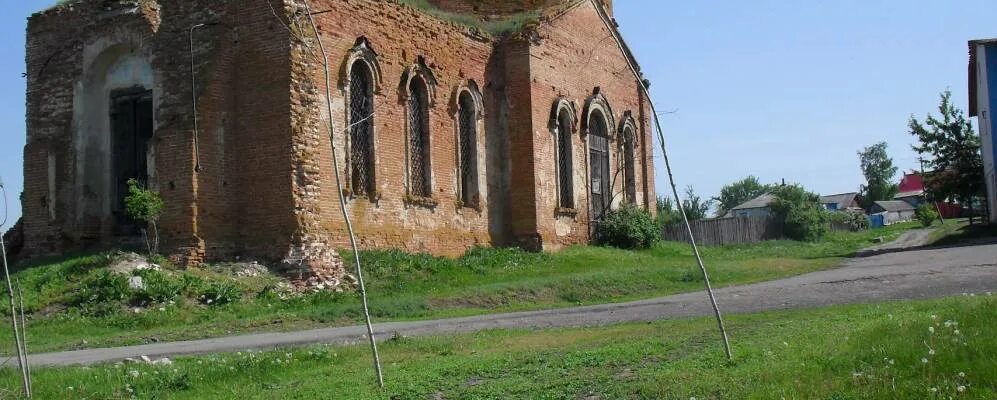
{"x": 114, "y": 118}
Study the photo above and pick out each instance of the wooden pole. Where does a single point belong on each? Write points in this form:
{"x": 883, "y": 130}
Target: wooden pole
{"x": 342, "y": 199}
{"x": 671, "y": 178}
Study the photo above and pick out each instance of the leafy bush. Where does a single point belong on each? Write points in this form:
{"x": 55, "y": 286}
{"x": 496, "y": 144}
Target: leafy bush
{"x": 855, "y": 221}
{"x": 159, "y": 288}
{"x": 101, "y": 293}
{"x": 926, "y": 214}
{"x": 668, "y": 215}
{"x": 801, "y": 213}
{"x": 629, "y": 227}
{"x": 220, "y": 293}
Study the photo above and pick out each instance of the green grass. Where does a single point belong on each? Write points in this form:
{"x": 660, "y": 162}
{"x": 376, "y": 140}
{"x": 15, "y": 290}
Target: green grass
{"x": 74, "y": 304}
{"x": 846, "y": 352}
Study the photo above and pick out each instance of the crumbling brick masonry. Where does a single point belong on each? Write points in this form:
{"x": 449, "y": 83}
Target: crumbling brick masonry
{"x": 449, "y": 136}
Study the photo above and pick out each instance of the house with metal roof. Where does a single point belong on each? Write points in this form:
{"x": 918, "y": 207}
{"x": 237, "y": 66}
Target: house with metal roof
{"x": 756, "y": 207}
{"x": 841, "y": 202}
{"x": 893, "y": 211}
{"x": 982, "y": 104}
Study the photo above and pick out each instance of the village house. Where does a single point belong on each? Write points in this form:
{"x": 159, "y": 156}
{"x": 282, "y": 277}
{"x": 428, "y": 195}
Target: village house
{"x": 982, "y": 104}
{"x": 450, "y": 136}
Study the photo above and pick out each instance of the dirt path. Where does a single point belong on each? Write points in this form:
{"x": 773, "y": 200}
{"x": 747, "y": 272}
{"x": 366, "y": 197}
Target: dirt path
{"x": 900, "y": 275}
{"x": 908, "y": 240}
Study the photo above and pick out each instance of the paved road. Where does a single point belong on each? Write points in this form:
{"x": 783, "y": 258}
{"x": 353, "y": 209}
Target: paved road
{"x": 901, "y": 275}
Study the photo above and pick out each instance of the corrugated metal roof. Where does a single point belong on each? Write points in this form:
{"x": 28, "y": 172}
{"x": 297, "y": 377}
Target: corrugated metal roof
{"x": 757, "y": 202}
{"x": 895, "y": 205}
{"x": 913, "y": 193}
{"x": 843, "y": 200}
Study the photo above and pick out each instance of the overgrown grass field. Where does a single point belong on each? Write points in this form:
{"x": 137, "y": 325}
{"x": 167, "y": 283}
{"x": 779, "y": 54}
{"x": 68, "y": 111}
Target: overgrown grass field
{"x": 940, "y": 349}
{"x": 76, "y": 303}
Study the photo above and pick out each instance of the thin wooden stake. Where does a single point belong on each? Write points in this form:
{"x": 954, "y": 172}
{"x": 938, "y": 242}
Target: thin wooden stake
{"x": 24, "y": 335}
{"x": 342, "y": 199}
{"x": 21, "y": 359}
{"x": 671, "y": 178}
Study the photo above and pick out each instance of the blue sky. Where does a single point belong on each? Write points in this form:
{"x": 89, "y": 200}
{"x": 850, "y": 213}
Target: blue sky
{"x": 765, "y": 87}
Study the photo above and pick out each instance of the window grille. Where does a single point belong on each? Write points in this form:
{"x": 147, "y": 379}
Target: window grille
{"x": 601, "y": 189}
{"x": 629, "y": 169}
{"x": 468, "y": 149}
{"x": 362, "y": 130}
{"x": 419, "y": 161}
{"x": 564, "y": 167}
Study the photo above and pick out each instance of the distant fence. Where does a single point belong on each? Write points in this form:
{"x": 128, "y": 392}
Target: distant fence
{"x": 741, "y": 230}
{"x": 724, "y": 231}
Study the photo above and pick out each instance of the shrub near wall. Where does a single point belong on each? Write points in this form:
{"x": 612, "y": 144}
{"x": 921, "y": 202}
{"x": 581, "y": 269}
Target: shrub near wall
{"x": 629, "y": 227}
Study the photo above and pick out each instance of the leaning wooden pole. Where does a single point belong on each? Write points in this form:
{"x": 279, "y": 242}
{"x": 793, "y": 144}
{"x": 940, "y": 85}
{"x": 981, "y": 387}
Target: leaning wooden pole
{"x": 342, "y": 199}
{"x": 611, "y": 26}
{"x": 22, "y": 359}
{"x": 24, "y": 336}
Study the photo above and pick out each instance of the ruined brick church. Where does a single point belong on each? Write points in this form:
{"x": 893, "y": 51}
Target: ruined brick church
{"x": 450, "y": 136}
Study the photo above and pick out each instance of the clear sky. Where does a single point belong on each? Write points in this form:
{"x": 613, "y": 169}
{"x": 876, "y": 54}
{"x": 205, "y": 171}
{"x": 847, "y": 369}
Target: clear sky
{"x": 763, "y": 87}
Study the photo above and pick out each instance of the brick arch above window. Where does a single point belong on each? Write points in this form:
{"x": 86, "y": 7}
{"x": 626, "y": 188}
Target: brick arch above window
{"x": 628, "y": 126}
{"x": 361, "y": 51}
{"x": 598, "y": 103}
{"x": 562, "y": 104}
{"x": 471, "y": 88}
{"x": 422, "y": 71}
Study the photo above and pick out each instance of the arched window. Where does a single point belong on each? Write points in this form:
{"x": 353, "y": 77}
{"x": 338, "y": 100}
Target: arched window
{"x": 562, "y": 127}
{"x": 361, "y": 121}
{"x": 467, "y": 120}
{"x": 598, "y": 123}
{"x": 565, "y": 172}
{"x": 600, "y": 174}
{"x": 629, "y": 167}
{"x": 628, "y": 146}
{"x": 360, "y": 77}
{"x": 420, "y": 175}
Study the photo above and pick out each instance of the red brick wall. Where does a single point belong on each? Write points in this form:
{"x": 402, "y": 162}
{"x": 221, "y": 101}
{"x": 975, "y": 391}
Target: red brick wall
{"x": 237, "y": 202}
{"x": 399, "y": 35}
{"x": 576, "y": 54}
{"x": 266, "y": 184}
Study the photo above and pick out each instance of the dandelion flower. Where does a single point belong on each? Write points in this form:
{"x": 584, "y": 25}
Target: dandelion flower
{"x": 931, "y": 329}
{"x": 962, "y": 374}
{"x": 960, "y": 388}
{"x": 924, "y": 361}
{"x": 957, "y": 332}
{"x": 933, "y": 316}
{"x": 931, "y": 352}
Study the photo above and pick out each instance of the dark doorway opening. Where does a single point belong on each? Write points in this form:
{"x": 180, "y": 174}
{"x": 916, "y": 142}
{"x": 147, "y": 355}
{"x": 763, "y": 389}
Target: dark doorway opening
{"x": 131, "y": 133}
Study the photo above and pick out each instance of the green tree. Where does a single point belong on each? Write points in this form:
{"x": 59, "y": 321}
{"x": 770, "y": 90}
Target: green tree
{"x": 739, "y": 192}
{"x": 695, "y": 207}
{"x": 926, "y": 214}
{"x": 879, "y": 171}
{"x": 145, "y": 205}
{"x": 952, "y": 150}
{"x": 803, "y": 217}
{"x": 667, "y": 213}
